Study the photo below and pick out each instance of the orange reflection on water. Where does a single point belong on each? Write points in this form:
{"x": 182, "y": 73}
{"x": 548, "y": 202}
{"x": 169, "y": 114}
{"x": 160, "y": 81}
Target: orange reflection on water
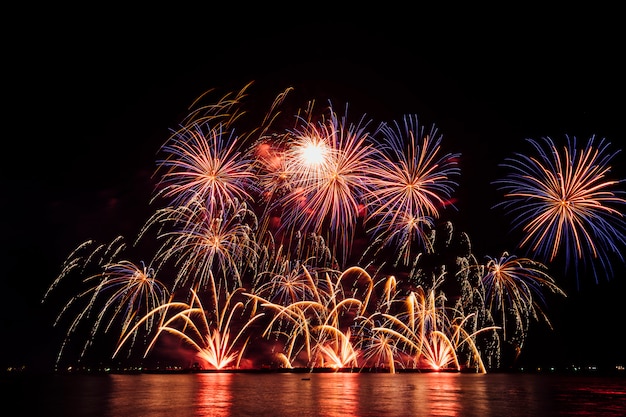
{"x": 446, "y": 394}
{"x": 214, "y": 397}
{"x": 443, "y": 394}
{"x": 162, "y": 395}
{"x": 341, "y": 398}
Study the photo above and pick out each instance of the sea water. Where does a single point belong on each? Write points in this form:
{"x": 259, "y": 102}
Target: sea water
{"x": 314, "y": 394}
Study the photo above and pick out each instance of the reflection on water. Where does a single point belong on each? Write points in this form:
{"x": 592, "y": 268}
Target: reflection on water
{"x": 444, "y": 395}
{"x": 317, "y": 394}
{"x": 214, "y": 396}
{"x": 170, "y": 395}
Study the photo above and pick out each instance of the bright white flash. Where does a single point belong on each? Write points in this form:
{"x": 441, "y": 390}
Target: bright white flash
{"x": 313, "y": 153}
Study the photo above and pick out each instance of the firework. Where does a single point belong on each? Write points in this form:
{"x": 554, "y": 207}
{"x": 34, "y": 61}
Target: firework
{"x": 565, "y": 202}
{"x": 313, "y": 331}
{"x": 205, "y": 163}
{"x": 411, "y": 182}
{"x": 327, "y": 163}
{"x": 206, "y": 240}
{"x": 117, "y": 293}
{"x": 514, "y": 286}
{"x": 290, "y": 281}
{"x": 209, "y": 334}
{"x": 335, "y": 347}
{"x": 421, "y": 334}
{"x": 265, "y": 223}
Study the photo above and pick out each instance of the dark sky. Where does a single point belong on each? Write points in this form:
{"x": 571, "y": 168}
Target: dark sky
{"x": 90, "y": 96}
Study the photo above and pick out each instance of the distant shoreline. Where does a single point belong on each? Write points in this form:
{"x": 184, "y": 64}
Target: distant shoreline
{"x": 615, "y": 371}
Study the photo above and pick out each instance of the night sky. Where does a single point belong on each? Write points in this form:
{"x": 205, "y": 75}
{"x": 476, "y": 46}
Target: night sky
{"x": 89, "y": 100}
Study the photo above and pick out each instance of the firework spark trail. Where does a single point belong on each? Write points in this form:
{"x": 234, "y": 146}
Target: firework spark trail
{"x": 290, "y": 283}
{"x": 514, "y": 286}
{"x": 336, "y": 347}
{"x": 411, "y": 181}
{"x": 228, "y": 111}
{"x": 327, "y": 193}
{"x": 208, "y": 332}
{"x": 307, "y": 254}
{"x": 378, "y": 350}
{"x": 138, "y": 291}
{"x": 205, "y": 160}
{"x": 273, "y": 181}
{"x": 206, "y": 163}
{"x": 118, "y": 293}
{"x": 422, "y": 335}
{"x": 315, "y": 326}
{"x": 565, "y": 203}
{"x": 225, "y": 110}
{"x": 208, "y": 239}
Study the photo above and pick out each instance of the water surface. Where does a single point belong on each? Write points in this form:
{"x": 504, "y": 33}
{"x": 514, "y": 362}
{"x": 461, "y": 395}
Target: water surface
{"x": 315, "y": 394}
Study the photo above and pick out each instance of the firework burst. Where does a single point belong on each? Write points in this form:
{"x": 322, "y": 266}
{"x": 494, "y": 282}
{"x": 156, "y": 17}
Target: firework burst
{"x": 118, "y": 293}
{"x": 328, "y": 164}
{"x": 208, "y": 332}
{"x": 203, "y": 240}
{"x": 514, "y": 287}
{"x": 411, "y": 182}
{"x": 565, "y": 202}
{"x": 205, "y": 163}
